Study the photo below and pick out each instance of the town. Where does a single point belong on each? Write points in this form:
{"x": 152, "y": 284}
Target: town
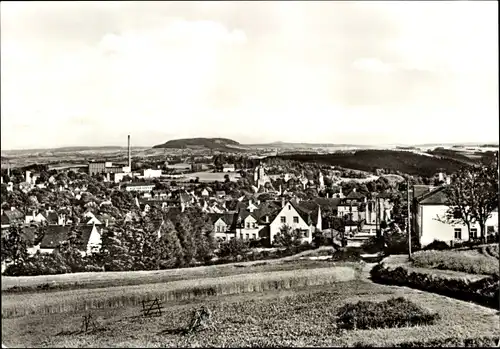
{"x": 256, "y": 200}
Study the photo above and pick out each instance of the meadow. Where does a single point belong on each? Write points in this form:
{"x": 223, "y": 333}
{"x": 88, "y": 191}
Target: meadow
{"x": 284, "y": 317}
{"x": 129, "y": 278}
{"x": 479, "y": 261}
{"x": 14, "y": 305}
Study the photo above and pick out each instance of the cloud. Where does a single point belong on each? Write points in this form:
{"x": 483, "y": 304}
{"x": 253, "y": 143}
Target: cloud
{"x": 309, "y": 71}
{"x": 372, "y": 65}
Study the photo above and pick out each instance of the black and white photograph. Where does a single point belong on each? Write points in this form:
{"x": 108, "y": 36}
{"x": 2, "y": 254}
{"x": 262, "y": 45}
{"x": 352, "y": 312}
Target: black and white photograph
{"x": 249, "y": 174}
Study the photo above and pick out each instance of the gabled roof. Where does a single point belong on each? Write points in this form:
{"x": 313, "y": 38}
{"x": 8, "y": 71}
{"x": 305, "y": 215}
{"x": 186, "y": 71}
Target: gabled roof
{"x": 52, "y": 217}
{"x": 419, "y": 190}
{"x": 54, "y": 235}
{"x": 354, "y": 195}
{"x": 12, "y": 216}
{"x": 327, "y": 203}
{"x": 229, "y": 219}
{"x": 435, "y": 197}
{"x": 86, "y": 231}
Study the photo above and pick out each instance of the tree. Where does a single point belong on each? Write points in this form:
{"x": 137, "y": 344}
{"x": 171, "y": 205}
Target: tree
{"x": 186, "y": 237}
{"x": 486, "y": 192}
{"x": 461, "y": 198}
{"x": 171, "y": 254}
{"x": 233, "y": 248}
{"x": 14, "y": 247}
{"x": 288, "y": 237}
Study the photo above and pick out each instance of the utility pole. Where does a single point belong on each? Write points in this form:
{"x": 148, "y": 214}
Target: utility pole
{"x": 409, "y": 215}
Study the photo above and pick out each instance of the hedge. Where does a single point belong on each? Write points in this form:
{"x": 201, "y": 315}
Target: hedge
{"x": 484, "y": 291}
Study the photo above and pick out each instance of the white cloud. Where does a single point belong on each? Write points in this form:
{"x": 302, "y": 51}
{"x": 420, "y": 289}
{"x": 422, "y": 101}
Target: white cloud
{"x": 373, "y": 65}
{"x": 265, "y": 72}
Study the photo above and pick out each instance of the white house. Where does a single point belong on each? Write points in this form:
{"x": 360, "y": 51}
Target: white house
{"x": 139, "y": 186}
{"x": 429, "y": 212}
{"x": 35, "y": 217}
{"x": 205, "y": 192}
{"x": 150, "y": 173}
{"x": 294, "y": 217}
{"x": 222, "y": 226}
{"x": 249, "y": 227}
{"x": 55, "y": 235}
{"x": 91, "y": 218}
{"x": 228, "y": 168}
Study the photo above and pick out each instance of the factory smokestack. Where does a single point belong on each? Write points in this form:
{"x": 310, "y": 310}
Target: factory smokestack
{"x": 129, "y": 155}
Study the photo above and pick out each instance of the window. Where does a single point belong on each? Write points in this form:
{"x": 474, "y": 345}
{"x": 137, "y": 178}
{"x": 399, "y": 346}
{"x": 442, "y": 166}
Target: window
{"x": 289, "y": 207}
{"x": 254, "y": 236}
{"x": 248, "y": 225}
{"x": 283, "y": 219}
{"x": 254, "y": 225}
{"x": 248, "y": 236}
{"x": 296, "y": 219}
{"x": 306, "y": 233}
{"x": 458, "y": 233}
{"x": 473, "y": 233}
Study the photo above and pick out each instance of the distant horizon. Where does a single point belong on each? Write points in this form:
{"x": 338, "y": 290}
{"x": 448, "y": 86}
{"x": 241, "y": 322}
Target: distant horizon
{"x": 496, "y": 143}
{"x": 348, "y": 72}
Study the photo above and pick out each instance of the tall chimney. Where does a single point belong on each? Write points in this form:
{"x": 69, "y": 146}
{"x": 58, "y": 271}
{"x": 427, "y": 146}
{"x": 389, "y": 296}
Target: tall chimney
{"x": 129, "y": 156}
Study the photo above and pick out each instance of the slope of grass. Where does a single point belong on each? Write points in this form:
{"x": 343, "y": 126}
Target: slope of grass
{"x": 14, "y": 305}
{"x": 272, "y": 318}
{"x": 110, "y": 279}
{"x": 463, "y": 261}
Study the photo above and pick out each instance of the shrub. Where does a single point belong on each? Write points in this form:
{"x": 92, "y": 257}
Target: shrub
{"x": 395, "y": 312}
{"x": 484, "y": 291}
{"x": 437, "y": 245}
{"x": 346, "y": 255}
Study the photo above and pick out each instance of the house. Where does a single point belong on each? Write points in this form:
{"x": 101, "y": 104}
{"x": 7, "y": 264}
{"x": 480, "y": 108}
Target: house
{"x": 35, "y": 216}
{"x": 428, "y": 215}
{"x": 205, "y": 192}
{"x": 220, "y": 193}
{"x": 228, "y": 168}
{"x": 150, "y": 173}
{"x": 247, "y": 226}
{"x": 91, "y": 219}
{"x": 296, "y": 217}
{"x": 90, "y": 238}
{"x": 139, "y": 187}
{"x": 12, "y": 216}
{"x": 224, "y": 225}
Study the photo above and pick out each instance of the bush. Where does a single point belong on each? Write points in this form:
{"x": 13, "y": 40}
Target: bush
{"x": 395, "y": 312}
{"x": 437, "y": 245}
{"x": 484, "y": 291}
{"x": 346, "y": 255}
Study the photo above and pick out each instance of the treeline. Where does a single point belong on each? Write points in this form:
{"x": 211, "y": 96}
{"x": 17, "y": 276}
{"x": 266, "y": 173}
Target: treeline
{"x": 392, "y": 160}
{"x": 142, "y": 244}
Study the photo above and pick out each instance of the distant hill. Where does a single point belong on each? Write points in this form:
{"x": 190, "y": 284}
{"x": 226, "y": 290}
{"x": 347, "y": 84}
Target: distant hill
{"x": 370, "y": 160}
{"x": 220, "y": 144}
{"x": 287, "y": 145}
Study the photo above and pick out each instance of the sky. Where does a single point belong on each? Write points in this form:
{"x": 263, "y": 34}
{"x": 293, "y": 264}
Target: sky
{"x": 90, "y": 73}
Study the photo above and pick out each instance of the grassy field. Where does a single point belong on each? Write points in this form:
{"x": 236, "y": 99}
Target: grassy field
{"x": 295, "y": 317}
{"x": 480, "y": 261}
{"x": 14, "y": 305}
{"x": 108, "y": 279}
